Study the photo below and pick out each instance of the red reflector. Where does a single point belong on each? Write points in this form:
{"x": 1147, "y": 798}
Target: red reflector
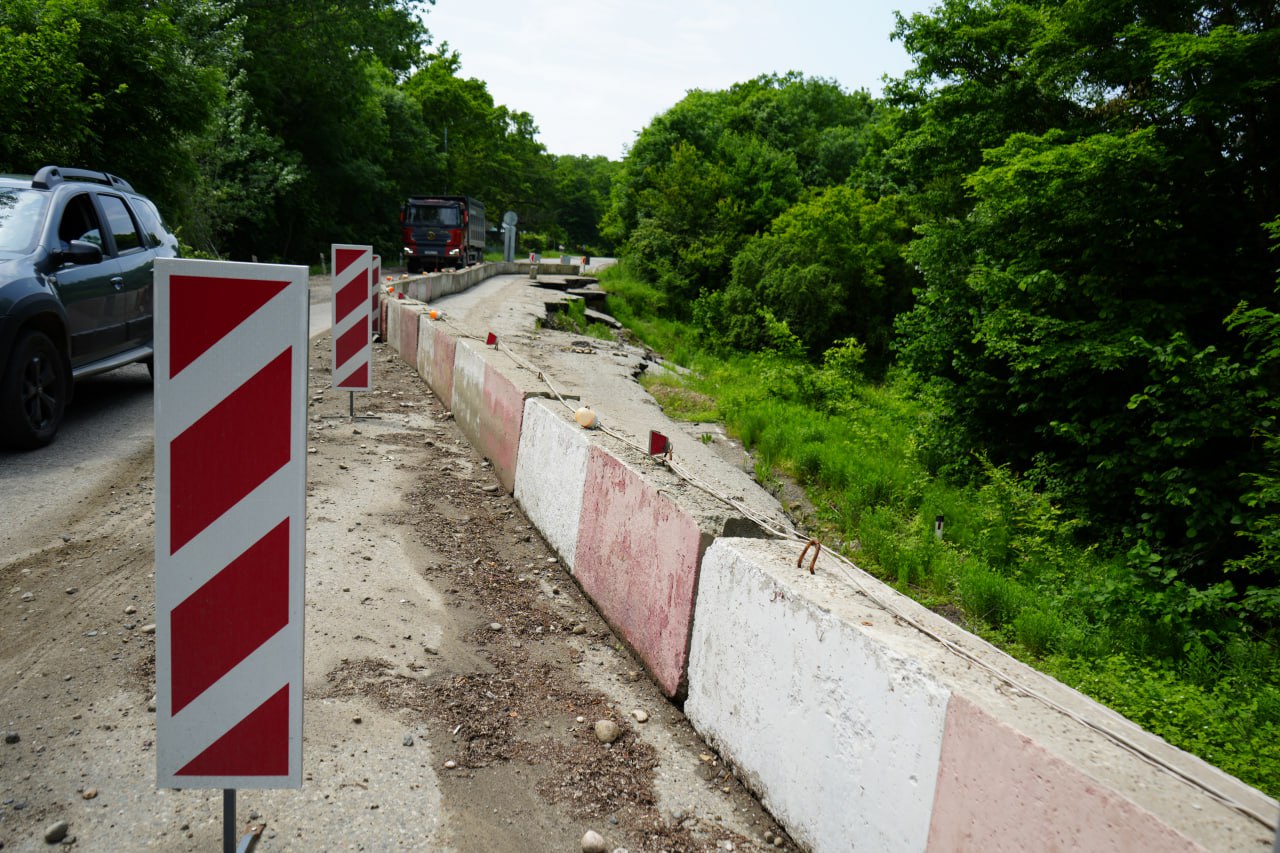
{"x": 658, "y": 443}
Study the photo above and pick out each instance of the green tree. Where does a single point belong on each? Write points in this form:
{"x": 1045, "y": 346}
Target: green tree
{"x": 1094, "y": 178}
{"x": 111, "y": 85}
{"x": 320, "y": 76}
{"x": 581, "y": 198}
{"x": 718, "y": 167}
{"x": 831, "y": 267}
{"x": 492, "y": 152}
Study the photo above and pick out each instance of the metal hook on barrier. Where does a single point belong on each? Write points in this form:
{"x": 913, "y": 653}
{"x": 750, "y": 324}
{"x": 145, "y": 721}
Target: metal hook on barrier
{"x": 817, "y": 549}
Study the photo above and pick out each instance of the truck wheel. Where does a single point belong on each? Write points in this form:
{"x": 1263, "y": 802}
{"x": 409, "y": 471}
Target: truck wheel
{"x": 33, "y": 393}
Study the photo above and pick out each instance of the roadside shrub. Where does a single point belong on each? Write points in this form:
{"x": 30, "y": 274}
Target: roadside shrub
{"x": 1037, "y": 630}
{"x": 989, "y": 597}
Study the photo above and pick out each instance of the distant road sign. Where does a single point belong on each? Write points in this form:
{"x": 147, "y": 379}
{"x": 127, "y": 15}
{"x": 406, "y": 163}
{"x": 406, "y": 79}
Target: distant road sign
{"x": 230, "y": 462}
{"x": 509, "y": 218}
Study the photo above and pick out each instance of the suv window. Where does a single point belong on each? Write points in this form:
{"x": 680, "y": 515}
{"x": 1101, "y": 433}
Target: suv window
{"x": 80, "y": 222}
{"x": 123, "y": 228}
{"x": 152, "y": 229}
{"x": 21, "y": 212}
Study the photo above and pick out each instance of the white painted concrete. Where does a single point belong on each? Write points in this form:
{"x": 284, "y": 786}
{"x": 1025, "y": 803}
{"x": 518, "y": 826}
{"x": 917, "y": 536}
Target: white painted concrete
{"x": 838, "y": 732}
{"x": 551, "y": 468}
{"x": 468, "y": 386}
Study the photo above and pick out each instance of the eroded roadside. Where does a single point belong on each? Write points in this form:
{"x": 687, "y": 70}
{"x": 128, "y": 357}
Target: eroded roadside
{"x": 454, "y": 672}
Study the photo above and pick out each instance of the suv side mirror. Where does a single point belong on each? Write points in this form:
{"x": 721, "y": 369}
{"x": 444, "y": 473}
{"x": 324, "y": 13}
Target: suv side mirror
{"x": 81, "y": 252}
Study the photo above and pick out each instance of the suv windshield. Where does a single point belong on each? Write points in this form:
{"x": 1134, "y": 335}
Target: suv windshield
{"x": 21, "y": 214}
{"x": 424, "y": 214}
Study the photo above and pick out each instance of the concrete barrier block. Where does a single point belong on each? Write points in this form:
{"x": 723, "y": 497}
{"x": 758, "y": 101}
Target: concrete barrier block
{"x": 407, "y": 339}
{"x": 837, "y": 730}
{"x": 551, "y": 472}
{"x": 438, "y": 349}
{"x": 637, "y": 559}
{"x": 488, "y": 406}
{"x": 835, "y": 682}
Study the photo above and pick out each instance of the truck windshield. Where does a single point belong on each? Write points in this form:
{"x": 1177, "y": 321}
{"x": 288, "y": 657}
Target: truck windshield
{"x": 21, "y": 215}
{"x": 427, "y": 214}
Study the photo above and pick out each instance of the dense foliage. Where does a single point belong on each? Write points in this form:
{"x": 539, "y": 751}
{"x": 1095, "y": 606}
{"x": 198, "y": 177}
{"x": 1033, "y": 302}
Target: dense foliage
{"x": 1057, "y": 229}
{"x": 270, "y": 130}
{"x": 734, "y": 203}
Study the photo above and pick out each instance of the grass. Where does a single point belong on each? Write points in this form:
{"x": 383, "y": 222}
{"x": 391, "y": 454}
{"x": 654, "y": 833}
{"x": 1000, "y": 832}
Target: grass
{"x": 1010, "y": 561}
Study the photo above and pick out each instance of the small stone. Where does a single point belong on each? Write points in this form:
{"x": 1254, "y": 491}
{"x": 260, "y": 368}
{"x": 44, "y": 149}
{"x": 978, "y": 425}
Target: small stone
{"x": 593, "y": 842}
{"x": 55, "y": 832}
{"x": 495, "y": 626}
{"x": 777, "y": 841}
{"x": 28, "y": 596}
{"x": 579, "y": 628}
{"x": 130, "y": 610}
{"x": 89, "y": 793}
{"x": 72, "y": 590}
{"x": 641, "y": 715}
{"x": 149, "y": 629}
{"x": 493, "y": 490}
{"x": 768, "y": 837}
{"x": 357, "y": 720}
{"x": 450, "y": 764}
{"x": 151, "y": 704}
{"x": 607, "y": 731}
{"x": 12, "y": 737}
{"x": 408, "y": 740}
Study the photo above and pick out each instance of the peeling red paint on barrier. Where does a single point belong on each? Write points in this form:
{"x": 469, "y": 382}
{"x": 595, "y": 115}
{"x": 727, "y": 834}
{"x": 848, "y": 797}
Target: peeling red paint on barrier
{"x": 439, "y": 376}
{"x": 999, "y": 790}
{"x": 503, "y": 413}
{"x": 638, "y": 558}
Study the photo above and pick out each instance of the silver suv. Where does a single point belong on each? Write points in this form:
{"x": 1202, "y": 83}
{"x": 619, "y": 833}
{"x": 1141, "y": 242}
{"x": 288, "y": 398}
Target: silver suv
{"x": 76, "y": 255}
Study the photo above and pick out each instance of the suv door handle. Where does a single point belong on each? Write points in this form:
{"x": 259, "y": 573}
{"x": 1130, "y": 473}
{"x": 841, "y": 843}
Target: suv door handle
{"x": 117, "y": 281}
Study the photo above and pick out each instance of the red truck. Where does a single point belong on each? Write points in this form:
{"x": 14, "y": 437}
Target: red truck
{"x": 442, "y": 231}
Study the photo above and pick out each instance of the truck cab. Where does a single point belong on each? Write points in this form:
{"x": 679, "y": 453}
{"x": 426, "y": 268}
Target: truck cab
{"x": 441, "y": 232}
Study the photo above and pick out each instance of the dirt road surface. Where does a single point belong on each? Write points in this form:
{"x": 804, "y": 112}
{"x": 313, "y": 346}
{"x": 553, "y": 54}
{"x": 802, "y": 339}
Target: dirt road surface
{"x": 454, "y": 673}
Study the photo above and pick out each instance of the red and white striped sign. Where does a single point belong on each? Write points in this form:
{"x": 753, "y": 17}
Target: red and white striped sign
{"x": 377, "y": 286}
{"x": 230, "y": 457}
{"x": 352, "y": 333}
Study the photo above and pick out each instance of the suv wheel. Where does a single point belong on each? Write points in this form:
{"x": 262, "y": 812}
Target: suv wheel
{"x": 33, "y": 393}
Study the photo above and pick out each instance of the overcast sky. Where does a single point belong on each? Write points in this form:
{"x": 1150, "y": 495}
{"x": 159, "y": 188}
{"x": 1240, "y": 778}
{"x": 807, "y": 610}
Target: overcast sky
{"x": 592, "y": 73}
